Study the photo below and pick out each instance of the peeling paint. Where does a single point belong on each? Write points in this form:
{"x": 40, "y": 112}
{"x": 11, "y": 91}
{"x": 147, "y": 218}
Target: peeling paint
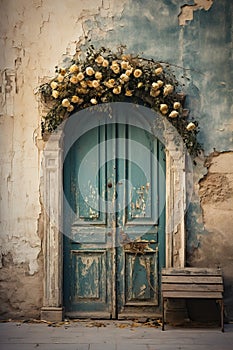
{"x": 187, "y": 11}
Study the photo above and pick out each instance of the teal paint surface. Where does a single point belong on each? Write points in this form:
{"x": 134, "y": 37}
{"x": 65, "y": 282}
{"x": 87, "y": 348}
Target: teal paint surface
{"x": 113, "y": 255}
{"x": 202, "y": 48}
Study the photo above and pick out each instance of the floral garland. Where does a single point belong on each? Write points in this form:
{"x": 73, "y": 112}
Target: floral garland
{"x": 103, "y": 76}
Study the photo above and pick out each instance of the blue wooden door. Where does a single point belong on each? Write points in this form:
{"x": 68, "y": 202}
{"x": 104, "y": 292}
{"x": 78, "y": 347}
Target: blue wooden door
{"x": 114, "y": 240}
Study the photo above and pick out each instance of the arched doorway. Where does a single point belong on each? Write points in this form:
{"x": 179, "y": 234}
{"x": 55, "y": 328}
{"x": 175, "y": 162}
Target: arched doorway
{"x": 131, "y": 282}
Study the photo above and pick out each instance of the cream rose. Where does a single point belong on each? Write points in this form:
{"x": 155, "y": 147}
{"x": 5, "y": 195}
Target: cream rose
{"x": 62, "y": 71}
{"x": 163, "y": 108}
{"x": 94, "y": 101}
{"x": 90, "y": 71}
{"x": 176, "y": 105}
{"x": 65, "y": 102}
{"x": 168, "y": 89}
{"x": 155, "y": 86}
{"x": 110, "y": 83}
{"x": 74, "y": 79}
{"x": 70, "y": 108}
{"x": 137, "y": 73}
{"x": 191, "y": 126}
{"x": 158, "y": 70}
{"x": 80, "y": 76}
{"x": 83, "y": 84}
{"x": 173, "y": 114}
{"x": 117, "y": 90}
{"x": 128, "y": 93}
{"x": 124, "y": 78}
{"x": 95, "y": 84}
{"x": 115, "y": 68}
{"x": 99, "y": 59}
{"x": 60, "y": 78}
{"x": 154, "y": 93}
{"x": 105, "y": 63}
{"x": 55, "y": 93}
{"x": 54, "y": 85}
{"x": 98, "y": 75}
{"x": 75, "y": 99}
{"x": 74, "y": 68}
{"x": 125, "y": 65}
{"x": 160, "y": 83}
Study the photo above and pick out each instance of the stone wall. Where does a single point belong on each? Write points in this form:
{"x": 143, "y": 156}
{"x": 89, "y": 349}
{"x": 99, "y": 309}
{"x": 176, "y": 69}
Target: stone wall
{"x": 37, "y": 35}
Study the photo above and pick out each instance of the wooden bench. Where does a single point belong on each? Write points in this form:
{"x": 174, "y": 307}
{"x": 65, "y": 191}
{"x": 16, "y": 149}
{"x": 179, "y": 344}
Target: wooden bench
{"x": 188, "y": 282}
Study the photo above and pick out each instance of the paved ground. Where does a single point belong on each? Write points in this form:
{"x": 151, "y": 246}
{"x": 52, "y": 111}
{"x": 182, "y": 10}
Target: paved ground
{"x": 111, "y": 335}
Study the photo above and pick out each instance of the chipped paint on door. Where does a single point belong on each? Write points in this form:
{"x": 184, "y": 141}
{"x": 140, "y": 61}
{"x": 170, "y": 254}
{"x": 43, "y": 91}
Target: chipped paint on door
{"x": 114, "y": 246}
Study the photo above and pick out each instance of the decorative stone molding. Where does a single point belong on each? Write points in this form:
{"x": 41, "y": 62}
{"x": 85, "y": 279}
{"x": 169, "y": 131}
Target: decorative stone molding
{"x": 51, "y": 187}
{"x": 52, "y": 246}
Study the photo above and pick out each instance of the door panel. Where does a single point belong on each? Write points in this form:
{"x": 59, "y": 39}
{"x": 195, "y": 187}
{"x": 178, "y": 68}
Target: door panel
{"x": 114, "y": 241}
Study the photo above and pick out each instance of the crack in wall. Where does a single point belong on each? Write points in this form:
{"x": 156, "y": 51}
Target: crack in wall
{"x": 187, "y": 11}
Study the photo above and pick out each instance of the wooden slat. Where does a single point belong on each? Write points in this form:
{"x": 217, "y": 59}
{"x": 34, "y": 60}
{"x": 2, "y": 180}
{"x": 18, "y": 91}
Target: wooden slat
{"x": 192, "y": 287}
{"x": 191, "y": 271}
{"x": 199, "y": 295}
{"x": 192, "y": 279}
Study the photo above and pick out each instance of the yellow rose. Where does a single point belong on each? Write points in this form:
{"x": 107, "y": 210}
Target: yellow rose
{"x": 110, "y": 83}
{"x": 155, "y": 86}
{"x": 80, "y": 76}
{"x": 99, "y": 59}
{"x": 137, "y": 73}
{"x": 115, "y": 68}
{"x": 54, "y": 85}
{"x": 173, "y": 114}
{"x": 154, "y": 92}
{"x": 95, "y": 84}
{"x": 125, "y": 65}
{"x": 160, "y": 83}
{"x": 74, "y": 68}
{"x": 83, "y": 84}
{"x": 98, "y": 75}
{"x": 90, "y": 71}
{"x": 62, "y": 71}
{"x": 105, "y": 63}
{"x": 168, "y": 89}
{"x": 117, "y": 90}
{"x": 158, "y": 70}
{"x": 55, "y": 93}
{"x": 60, "y": 78}
{"x": 140, "y": 85}
{"x": 74, "y": 79}
{"x": 163, "y": 108}
{"x": 176, "y": 105}
{"x": 70, "y": 108}
{"x": 94, "y": 101}
{"x": 128, "y": 93}
{"x": 129, "y": 71}
{"x": 191, "y": 126}
{"x": 75, "y": 99}
{"x": 65, "y": 102}
{"x": 124, "y": 78}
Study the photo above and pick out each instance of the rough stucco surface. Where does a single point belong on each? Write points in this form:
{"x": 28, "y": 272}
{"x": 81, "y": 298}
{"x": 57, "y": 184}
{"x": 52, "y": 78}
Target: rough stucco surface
{"x": 37, "y": 35}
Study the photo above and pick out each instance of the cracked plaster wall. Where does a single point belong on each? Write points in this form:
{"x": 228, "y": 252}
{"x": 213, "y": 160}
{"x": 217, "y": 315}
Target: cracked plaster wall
{"x": 34, "y": 38}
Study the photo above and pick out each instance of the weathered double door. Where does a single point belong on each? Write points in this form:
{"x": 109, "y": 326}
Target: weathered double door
{"x": 114, "y": 239}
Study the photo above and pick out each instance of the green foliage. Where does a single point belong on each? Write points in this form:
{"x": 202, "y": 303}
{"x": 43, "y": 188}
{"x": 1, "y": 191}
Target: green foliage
{"x": 105, "y": 76}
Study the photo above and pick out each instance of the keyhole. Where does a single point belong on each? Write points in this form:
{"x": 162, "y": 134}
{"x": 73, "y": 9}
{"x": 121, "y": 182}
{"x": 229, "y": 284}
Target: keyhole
{"x": 109, "y": 185}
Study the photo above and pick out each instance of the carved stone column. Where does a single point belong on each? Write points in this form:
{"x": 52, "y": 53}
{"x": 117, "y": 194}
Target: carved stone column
{"x": 51, "y": 190}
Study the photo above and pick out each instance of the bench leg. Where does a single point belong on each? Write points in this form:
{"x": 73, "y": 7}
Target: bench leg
{"x": 163, "y": 313}
{"x": 222, "y": 315}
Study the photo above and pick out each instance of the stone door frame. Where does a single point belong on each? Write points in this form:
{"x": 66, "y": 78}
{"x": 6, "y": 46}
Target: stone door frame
{"x": 52, "y": 201}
